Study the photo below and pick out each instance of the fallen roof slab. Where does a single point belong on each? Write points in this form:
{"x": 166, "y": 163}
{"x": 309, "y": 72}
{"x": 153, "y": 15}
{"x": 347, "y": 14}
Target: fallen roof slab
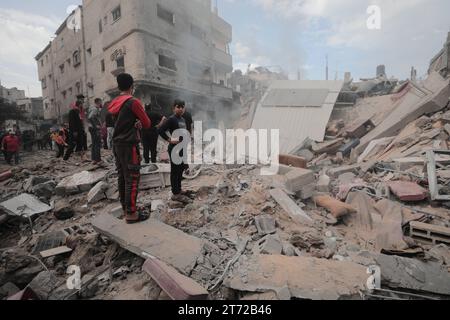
{"x": 80, "y": 182}
{"x": 25, "y": 206}
{"x": 303, "y": 278}
{"x": 432, "y": 97}
{"x": 153, "y": 238}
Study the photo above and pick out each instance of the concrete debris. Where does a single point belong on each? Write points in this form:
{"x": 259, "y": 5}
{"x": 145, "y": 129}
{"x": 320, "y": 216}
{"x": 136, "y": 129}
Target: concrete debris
{"x": 429, "y": 234}
{"x": 43, "y": 284}
{"x": 265, "y": 225}
{"x": 63, "y": 210}
{"x": 79, "y": 183}
{"x": 305, "y": 278}
{"x": 297, "y": 179}
{"x": 290, "y": 206}
{"x": 323, "y": 184}
{"x": 270, "y": 244}
{"x": 97, "y": 193}
{"x": 44, "y": 190}
{"x": 176, "y": 285}
{"x": 154, "y": 238}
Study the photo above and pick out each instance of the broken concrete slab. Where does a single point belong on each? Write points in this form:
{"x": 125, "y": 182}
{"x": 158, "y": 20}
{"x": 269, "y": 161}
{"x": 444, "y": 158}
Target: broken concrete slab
{"x": 290, "y": 206}
{"x": 265, "y": 225}
{"x": 7, "y": 290}
{"x": 305, "y": 154}
{"x": 329, "y": 147}
{"x": 24, "y": 206}
{"x": 306, "y": 192}
{"x": 97, "y": 193}
{"x": 177, "y": 286}
{"x": 412, "y": 105}
{"x": 270, "y": 244}
{"x": 336, "y": 172}
{"x": 43, "y": 284}
{"x": 408, "y": 191}
{"x": 299, "y": 178}
{"x": 79, "y": 182}
{"x": 63, "y": 210}
{"x": 55, "y": 252}
{"x": 154, "y": 238}
{"x": 305, "y": 278}
{"x": 390, "y": 232}
{"x": 412, "y": 274}
{"x": 360, "y": 128}
{"x": 34, "y": 181}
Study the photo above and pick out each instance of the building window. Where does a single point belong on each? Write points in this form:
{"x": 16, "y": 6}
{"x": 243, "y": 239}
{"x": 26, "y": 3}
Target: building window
{"x": 100, "y": 26}
{"x": 78, "y": 85}
{"x": 61, "y": 68}
{"x": 197, "y": 32}
{"x": 76, "y": 58}
{"x": 46, "y": 58}
{"x": 57, "y": 85}
{"x": 64, "y": 94}
{"x": 167, "y": 62}
{"x": 50, "y": 76}
{"x": 42, "y": 62}
{"x": 102, "y": 65}
{"x": 120, "y": 62}
{"x": 70, "y": 91}
{"x": 116, "y": 14}
{"x": 89, "y": 51}
{"x": 46, "y": 106}
{"x": 44, "y": 83}
{"x": 69, "y": 62}
{"x": 165, "y": 14}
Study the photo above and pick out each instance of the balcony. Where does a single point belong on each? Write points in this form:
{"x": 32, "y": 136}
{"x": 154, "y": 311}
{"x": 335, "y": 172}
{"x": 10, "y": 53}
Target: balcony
{"x": 221, "y": 27}
{"x": 221, "y": 91}
{"x": 223, "y": 59}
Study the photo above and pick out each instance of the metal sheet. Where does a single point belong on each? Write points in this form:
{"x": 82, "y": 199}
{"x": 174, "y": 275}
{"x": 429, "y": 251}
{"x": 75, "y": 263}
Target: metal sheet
{"x": 296, "y": 124}
{"x": 25, "y": 206}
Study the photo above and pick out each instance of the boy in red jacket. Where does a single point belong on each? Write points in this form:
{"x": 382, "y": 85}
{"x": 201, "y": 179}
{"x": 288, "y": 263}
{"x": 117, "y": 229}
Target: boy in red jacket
{"x": 130, "y": 117}
{"x": 11, "y": 145}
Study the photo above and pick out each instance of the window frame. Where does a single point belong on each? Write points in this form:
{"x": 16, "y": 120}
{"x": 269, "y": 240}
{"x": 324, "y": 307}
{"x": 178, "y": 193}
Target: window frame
{"x": 161, "y": 11}
{"x": 114, "y": 12}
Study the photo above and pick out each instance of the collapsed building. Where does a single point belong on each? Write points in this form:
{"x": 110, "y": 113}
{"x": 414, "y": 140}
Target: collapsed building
{"x": 173, "y": 49}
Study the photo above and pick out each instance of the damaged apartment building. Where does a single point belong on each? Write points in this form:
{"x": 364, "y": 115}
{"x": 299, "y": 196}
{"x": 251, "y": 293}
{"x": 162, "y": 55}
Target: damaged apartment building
{"x": 173, "y": 49}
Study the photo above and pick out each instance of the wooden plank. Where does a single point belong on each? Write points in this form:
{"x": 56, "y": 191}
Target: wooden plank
{"x": 289, "y": 206}
{"x": 177, "y": 286}
{"x": 55, "y": 252}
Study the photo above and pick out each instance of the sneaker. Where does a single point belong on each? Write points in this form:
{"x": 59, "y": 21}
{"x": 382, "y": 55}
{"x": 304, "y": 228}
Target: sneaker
{"x": 140, "y": 216}
{"x": 181, "y": 198}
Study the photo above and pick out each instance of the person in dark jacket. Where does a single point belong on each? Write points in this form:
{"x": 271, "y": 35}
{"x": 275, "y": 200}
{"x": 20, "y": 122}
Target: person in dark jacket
{"x": 150, "y": 136}
{"x": 130, "y": 119}
{"x": 76, "y": 131}
{"x": 95, "y": 126}
{"x": 174, "y": 123}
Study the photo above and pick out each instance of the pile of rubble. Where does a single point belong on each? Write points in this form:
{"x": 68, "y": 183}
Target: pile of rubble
{"x": 373, "y": 196}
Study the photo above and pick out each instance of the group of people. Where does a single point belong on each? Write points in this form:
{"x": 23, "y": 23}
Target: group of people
{"x": 135, "y": 124}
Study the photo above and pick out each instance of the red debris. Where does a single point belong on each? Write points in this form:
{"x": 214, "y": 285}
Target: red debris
{"x": 408, "y": 191}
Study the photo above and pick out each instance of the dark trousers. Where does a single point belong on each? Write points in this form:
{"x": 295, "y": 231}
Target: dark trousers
{"x": 75, "y": 144}
{"x": 60, "y": 152}
{"x": 10, "y": 155}
{"x": 150, "y": 142}
{"x": 128, "y": 160}
{"x": 96, "y": 144}
{"x": 176, "y": 174}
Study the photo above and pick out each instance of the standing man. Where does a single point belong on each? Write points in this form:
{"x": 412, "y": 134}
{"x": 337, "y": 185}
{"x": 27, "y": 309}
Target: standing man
{"x": 175, "y": 122}
{"x": 95, "y": 127}
{"x": 76, "y": 131}
{"x": 11, "y": 145}
{"x": 150, "y": 136}
{"x": 130, "y": 119}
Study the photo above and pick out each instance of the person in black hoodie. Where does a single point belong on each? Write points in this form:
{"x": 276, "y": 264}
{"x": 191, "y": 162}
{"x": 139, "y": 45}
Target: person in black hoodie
{"x": 76, "y": 129}
{"x": 130, "y": 118}
{"x": 174, "y": 123}
{"x": 150, "y": 136}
